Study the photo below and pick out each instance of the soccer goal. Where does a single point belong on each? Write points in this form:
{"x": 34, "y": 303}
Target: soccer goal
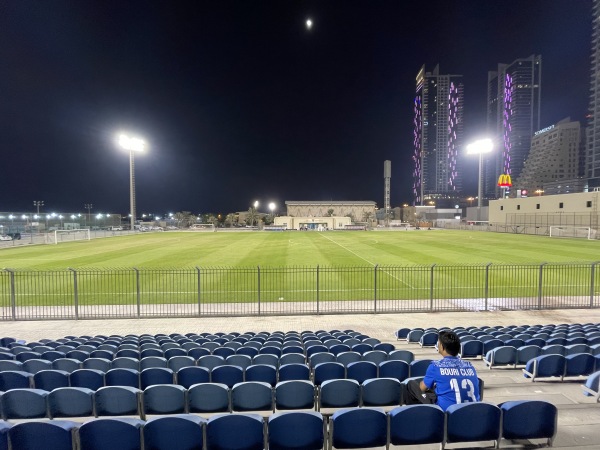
{"x": 60, "y": 236}
{"x": 572, "y": 232}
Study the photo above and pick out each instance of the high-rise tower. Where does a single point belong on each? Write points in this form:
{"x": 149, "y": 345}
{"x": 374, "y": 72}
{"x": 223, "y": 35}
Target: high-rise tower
{"x": 513, "y": 115}
{"x": 592, "y": 159}
{"x": 438, "y": 128}
{"x": 387, "y": 176}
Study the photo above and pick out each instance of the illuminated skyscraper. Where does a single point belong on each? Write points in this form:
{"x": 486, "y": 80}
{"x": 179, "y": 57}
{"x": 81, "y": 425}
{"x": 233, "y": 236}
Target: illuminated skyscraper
{"x": 592, "y": 160}
{"x": 513, "y": 115}
{"x": 438, "y": 127}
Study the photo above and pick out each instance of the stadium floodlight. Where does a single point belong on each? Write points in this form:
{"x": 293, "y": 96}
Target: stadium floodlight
{"x": 132, "y": 144}
{"x": 479, "y": 148}
{"x": 256, "y": 204}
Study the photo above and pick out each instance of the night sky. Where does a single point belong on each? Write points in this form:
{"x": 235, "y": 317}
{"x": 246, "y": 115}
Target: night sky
{"x": 239, "y": 102}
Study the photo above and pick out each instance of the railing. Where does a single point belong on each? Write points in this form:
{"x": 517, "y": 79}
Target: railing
{"x": 217, "y": 291}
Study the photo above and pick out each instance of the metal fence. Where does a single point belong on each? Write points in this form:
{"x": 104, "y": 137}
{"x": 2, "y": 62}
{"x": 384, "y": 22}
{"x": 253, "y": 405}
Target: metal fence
{"x": 218, "y": 291}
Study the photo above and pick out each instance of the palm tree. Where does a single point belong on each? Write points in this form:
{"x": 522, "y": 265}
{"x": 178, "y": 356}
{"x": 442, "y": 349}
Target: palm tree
{"x": 252, "y": 216}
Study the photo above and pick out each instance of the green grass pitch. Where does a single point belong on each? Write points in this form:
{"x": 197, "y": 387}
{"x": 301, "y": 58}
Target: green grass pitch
{"x": 222, "y": 267}
{"x": 285, "y": 249}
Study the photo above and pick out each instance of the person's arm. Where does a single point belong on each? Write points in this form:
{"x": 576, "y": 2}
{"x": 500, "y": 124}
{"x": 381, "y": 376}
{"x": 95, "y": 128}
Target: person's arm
{"x": 429, "y": 379}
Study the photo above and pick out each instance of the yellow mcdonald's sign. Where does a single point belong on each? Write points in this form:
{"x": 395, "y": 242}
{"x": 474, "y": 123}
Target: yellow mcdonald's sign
{"x": 504, "y": 180}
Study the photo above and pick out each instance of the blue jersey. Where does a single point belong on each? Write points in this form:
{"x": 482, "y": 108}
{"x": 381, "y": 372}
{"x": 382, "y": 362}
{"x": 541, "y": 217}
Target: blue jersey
{"x": 455, "y": 381}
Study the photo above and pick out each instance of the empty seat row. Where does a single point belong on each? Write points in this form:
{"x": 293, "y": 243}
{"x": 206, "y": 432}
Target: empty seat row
{"x": 199, "y": 398}
{"x": 559, "y": 366}
{"x": 228, "y": 374}
{"x": 511, "y": 356}
{"x": 348, "y": 428}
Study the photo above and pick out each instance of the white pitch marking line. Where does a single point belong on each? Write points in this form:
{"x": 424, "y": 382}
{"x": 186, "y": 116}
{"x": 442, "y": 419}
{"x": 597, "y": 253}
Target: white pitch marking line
{"x": 365, "y": 259}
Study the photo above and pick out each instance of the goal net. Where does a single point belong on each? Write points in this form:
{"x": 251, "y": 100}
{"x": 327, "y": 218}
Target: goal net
{"x": 60, "y": 236}
{"x": 572, "y": 232}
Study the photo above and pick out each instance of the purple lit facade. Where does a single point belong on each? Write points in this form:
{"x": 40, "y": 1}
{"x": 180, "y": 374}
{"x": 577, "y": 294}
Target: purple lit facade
{"x": 454, "y": 133}
{"x": 513, "y": 116}
{"x": 417, "y": 155}
{"x": 437, "y": 138}
{"x": 506, "y": 120}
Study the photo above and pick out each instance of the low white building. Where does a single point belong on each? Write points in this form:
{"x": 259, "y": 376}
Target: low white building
{"x": 312, "y": 223}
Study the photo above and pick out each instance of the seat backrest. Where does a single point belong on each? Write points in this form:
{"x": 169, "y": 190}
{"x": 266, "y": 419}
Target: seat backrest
{"x": 51, "y": 435}
{"x": 111, "y": 433}
{"x": 48, "y": 380}
{"x": 416, "y": 425}
{"x": 24, "y": 404}
{"x": 159, "y": 432}
{"x": 122, "y": 377}
{"x": 117, "y": 401}
{"x": 469, "y": 422}
{"x": 156, "y": 375}
{"x": 579, "y": 364}
{"x": 188, "y": 376}
{"x": 211, "y": 361}
{"x": 242, "y": 361}
{"x": 402, "y": 355}
{"x": 164, "y": 399}
{"x": 208, "y": 398}
{"x": 87, "y": 378}
{"x": 394, "y": 369}
{"x": 295, "y": 394}
{"x": 252, "y": 396}
{"x": 262, "y": 372}
{"x": 527, "y": 352}
{"x": 339, "y": 393}
{"x": 228, "y": 375}
{"x": 358, "y": 428}
{"x": 529, "y": 419}
{"x": 248, "y": 435}
{"x": 361, "y": 371}
{"x": 70, "y": 402}
{"x": 296, "y": 429}
{"x": 418, "y": 367}
{"x": 294, "y": 372}
{"x": 328, "y": 371}
{"x": 381, "y": 392}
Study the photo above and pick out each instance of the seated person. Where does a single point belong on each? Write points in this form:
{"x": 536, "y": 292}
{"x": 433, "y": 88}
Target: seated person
{"x": 448, "y": 381}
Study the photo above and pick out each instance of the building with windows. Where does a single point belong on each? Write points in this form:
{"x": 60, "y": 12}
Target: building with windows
{"x": 358, "y": 211}
{"x": 437, "y": 137}
{"x": 554, "y": 157}
{"x": 513, "y": 116}
{"x": 592, "y": 160}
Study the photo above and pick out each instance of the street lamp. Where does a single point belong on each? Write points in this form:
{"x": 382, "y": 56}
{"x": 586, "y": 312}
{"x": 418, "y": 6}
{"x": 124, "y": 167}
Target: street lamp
{"x": 89, "y": 207}
{"x": 479, "y": 148}
{"x": 272, "y": 208}
{"x": 132, "y": 144}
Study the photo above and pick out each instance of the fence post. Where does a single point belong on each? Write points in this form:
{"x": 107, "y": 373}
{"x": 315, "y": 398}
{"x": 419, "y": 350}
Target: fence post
{"x": 318, "y": 288}
{"x": 258, "y": 273}
{"x": 199, "y": 298}
{"x": 75, "y": 293}
{"x": 137, "y": 290}
{"x": 431, "y": 288}
{"x": 13, "y": 295}
{"x": 540, "y": 285}
{"x": 592, "y": 284}
{"x": 375, "y": 288}
{"x": 487, "y": 285}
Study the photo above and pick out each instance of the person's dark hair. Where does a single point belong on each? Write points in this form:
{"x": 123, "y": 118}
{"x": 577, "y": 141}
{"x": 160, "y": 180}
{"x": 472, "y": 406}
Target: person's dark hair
{"x": 450, "y": 341}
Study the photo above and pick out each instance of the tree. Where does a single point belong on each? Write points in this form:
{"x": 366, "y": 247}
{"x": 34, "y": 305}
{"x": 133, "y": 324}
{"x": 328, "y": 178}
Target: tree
{"x": 252, "y": 216}
{"x": 367, "y": 215}
{"x": 231, "y": 219}
{"x": 330, "y": 212}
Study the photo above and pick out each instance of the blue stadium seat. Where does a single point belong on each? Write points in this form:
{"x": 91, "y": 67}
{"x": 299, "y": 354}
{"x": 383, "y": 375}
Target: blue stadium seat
{"x": 416, "y": 425}
{"x": 70, "y": 402}
{"x": 176, "y": 432}
{"x": 49, "y": 435}
{"x": 295, "y": 394}
{"x": 529, "y": 419}
{"x": 235, "y": 431}
{"x": 358, "y": 428}
{"x": 299, "y": 430}
{"x": 111, "y": 434}
{"x": 472, "y": 422}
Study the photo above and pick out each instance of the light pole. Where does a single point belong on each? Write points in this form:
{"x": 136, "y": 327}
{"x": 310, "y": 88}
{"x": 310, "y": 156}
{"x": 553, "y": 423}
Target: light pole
{"x": 272, "y": 208}
{"x": 133, "y": 145}
{"x": 89, "y": 207}
{"x": 37, "y": 204}
{"x": 479, "y": 148}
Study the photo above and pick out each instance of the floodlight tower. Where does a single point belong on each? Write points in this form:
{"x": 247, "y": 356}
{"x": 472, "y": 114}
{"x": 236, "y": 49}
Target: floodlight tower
{"x": 387, "y": 176}
{"x": 132, "y": 144}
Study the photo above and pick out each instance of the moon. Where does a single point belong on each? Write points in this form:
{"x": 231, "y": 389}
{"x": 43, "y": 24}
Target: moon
{"x": 309, "y": 24}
